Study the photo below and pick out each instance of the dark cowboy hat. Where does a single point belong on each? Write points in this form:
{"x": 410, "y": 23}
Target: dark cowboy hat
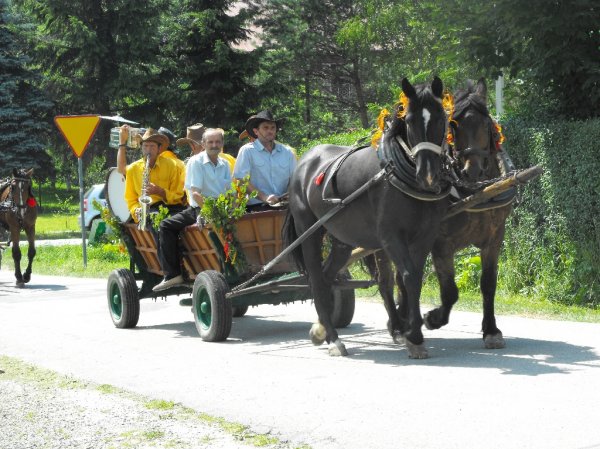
{"x": 170, "y": 134}
{"x": 262, "y": 116}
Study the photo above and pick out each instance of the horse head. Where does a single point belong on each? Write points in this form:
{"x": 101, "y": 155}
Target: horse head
{"x": 472, "y": 131}
{"x": 425, "y": 121}
{"x": 21, "y": 188}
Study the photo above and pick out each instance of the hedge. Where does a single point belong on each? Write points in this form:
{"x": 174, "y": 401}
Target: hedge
{"x": 553, "y": 240}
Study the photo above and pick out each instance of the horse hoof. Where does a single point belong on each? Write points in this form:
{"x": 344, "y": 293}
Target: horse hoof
{"x": 397, "y": 337}
{"x": 317, "y": 334}
{"x": 337, "y": 349}
{"x": 416, "y": 351}
{"x": 495, "y": 341}
{"x": 20, "y": 284}
{"x": 426, "y": 322}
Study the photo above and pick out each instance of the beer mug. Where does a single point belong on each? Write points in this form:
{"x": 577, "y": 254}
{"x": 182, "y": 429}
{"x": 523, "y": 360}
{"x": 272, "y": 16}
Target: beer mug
{"x": 132, "y": 140}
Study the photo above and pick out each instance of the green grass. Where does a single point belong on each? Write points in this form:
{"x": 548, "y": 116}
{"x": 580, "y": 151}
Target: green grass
{"x": 68, "y": 260}
{"x": 57, "y": 226}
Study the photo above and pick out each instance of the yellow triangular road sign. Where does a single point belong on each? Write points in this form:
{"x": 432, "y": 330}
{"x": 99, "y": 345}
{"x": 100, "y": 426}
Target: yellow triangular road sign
{"x": 77, "y": 130}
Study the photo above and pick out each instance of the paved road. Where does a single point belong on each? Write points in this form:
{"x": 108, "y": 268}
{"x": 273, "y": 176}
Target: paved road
{"x": 542, "y": 391}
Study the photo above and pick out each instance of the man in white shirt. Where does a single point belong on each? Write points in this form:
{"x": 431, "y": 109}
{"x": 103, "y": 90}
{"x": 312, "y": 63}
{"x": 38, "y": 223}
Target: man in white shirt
{"x": 207, "y": 175}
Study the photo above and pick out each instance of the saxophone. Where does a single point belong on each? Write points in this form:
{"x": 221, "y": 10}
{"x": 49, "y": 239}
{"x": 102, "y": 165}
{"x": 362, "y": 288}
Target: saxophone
{"x": 144, "y": 199}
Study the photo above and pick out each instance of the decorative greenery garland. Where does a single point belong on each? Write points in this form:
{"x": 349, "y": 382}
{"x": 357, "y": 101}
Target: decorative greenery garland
{"x": 222, "y": 212}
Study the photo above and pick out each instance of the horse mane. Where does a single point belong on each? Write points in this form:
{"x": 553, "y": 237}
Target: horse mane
{"x": 466, "y": 98}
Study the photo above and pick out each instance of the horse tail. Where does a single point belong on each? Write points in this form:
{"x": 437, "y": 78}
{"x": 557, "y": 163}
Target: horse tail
{"x": 289, "y": 235}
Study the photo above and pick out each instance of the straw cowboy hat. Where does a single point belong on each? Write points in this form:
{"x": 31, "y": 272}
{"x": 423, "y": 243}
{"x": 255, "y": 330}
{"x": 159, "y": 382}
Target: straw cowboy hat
{"x": 194, "y": 135}
{"x": 151, "y": 135}
{"x": 262, "y": 116}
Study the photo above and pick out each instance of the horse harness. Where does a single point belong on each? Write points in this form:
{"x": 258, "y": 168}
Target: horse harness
{"x": 398, "y": 169}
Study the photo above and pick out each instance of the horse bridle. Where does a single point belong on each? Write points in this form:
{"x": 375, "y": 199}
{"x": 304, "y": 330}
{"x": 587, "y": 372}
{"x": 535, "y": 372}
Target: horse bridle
{"x": 465, "y": 153}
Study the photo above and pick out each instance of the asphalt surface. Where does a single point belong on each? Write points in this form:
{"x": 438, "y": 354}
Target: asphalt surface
{"x": 541, "y": 391}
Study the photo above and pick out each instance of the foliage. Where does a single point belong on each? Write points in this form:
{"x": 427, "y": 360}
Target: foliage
{"x": 96, "y": 57}
{"x": 553, "y": 237}
{"x": 210, "y": 76}
{"x": 23, "y": 106}
{"x": 552, "y": 46}
{"x": 346, "y": 139}
{"x": 111, "y": 221}
{"x": 223, "y": 211}
{"x": 468, "y": 272}
{"x": 157, "y": 217}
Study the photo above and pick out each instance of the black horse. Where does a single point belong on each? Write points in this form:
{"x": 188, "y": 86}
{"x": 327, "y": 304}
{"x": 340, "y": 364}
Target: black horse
{"x": 18, "y": 211}
{"x": 479, "y": 158}
{"x": 399, "y": 213}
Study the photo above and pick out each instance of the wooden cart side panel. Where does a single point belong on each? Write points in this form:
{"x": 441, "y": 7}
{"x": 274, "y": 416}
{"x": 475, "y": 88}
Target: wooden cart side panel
{"x": 259, "y": 235}
{"x": 145, "y": 244}
{"x": 198, "y": 253}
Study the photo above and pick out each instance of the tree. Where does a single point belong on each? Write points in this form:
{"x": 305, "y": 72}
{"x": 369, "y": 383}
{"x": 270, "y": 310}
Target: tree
{"x": 98, "y": 57}
{"x": 553, "y": 46}
{"x": 22, "y": 106}
{"x": 209, "y": 78}
{"x": 301, "y": 37}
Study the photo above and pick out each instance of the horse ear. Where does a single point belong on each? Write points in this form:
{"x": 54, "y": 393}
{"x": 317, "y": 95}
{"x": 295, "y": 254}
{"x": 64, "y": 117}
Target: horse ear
{"x": 437, "y": 87}
{"x": 408, "y": 88}
{"x": 15, "y": 172}
{"x": 481, "y": 89}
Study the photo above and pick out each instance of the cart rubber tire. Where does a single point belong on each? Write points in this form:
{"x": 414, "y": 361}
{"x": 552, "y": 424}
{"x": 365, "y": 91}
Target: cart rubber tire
{"x": 239, "y": 311}
{"x": 212, "y": 311}
{"x": 343, "y": 304}
{"x": 123, "y": 299}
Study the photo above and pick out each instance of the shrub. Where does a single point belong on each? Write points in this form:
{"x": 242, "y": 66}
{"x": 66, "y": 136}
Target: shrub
{"x": 553, "y": 236}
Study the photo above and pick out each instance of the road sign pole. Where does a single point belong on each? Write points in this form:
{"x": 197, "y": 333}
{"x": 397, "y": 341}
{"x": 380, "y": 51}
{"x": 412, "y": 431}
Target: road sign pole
{"x": 78, "y": 131}
{"x": 83, "y": 236}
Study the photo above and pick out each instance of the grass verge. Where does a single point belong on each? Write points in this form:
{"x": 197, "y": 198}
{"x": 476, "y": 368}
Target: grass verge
{"x": 67, "y": 260}
{"x": 16, "y": 370}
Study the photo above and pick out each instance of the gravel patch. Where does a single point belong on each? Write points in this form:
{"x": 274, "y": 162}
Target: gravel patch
{"x": 42, "y": 409}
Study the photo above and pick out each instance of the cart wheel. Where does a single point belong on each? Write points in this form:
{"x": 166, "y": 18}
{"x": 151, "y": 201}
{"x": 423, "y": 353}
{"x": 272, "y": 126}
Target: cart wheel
{"x": 239, "y": 311}
{"x": 212, "y": 312}
{"x": 343, "y": 304}
{"x": 123, "y": 299}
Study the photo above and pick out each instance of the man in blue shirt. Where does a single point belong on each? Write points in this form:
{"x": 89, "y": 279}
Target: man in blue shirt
{"x": 207, "y": 175}
{"x": 269, "y": 163}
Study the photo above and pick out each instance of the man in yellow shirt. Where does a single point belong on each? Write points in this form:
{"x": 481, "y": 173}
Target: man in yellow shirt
{"x": 165, "y": 181}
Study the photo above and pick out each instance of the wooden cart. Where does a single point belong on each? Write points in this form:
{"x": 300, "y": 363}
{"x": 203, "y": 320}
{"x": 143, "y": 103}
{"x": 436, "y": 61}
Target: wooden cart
{"x": 211, "y": 276}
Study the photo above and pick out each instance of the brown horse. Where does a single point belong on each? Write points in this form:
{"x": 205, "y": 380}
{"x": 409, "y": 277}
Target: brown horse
{"x": 479, "y": 157}
{"x": 18, "y": 211}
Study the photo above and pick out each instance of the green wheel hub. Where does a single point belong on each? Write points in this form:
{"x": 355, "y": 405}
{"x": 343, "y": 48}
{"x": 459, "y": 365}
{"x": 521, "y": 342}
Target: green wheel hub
{"x": 203, "y": 309}
{"x": 116, "y": 305}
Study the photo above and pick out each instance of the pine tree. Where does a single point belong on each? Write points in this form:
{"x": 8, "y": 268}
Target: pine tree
{"x": 98, "y": 57}
{"x": 210, "y": 78}
{"x": 23, "y": 108}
